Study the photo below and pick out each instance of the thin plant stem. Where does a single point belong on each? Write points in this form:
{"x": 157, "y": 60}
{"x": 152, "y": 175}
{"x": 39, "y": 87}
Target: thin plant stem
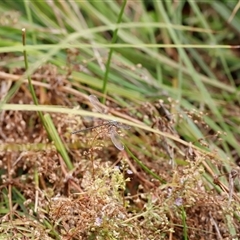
{"x": 144, "y": 167}
{"x": 114, "y": 39}
{"x": 31, "y": 88}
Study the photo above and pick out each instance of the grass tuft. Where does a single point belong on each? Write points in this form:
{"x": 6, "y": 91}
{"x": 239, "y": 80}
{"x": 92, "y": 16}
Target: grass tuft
{"x": 168, "y": 70}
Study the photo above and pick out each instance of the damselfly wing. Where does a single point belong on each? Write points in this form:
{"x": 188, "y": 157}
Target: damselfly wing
{"x": 113, "y": 125}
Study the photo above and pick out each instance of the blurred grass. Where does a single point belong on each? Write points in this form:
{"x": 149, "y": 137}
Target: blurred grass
{"x": 42, "y": 20}
{"x": 188, "y": 58}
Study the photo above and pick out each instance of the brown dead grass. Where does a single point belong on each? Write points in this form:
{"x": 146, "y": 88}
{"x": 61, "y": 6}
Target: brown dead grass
{"x": 110, "y": 202}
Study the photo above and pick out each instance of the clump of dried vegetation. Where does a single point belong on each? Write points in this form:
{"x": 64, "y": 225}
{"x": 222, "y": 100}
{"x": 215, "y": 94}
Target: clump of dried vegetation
{"x": 108, "y": 194}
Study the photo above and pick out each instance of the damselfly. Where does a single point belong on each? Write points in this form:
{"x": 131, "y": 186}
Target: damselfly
{"x": 111, "y": 125}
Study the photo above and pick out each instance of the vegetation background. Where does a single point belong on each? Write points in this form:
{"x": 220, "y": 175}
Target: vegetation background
{"x": 169, "y": 69}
